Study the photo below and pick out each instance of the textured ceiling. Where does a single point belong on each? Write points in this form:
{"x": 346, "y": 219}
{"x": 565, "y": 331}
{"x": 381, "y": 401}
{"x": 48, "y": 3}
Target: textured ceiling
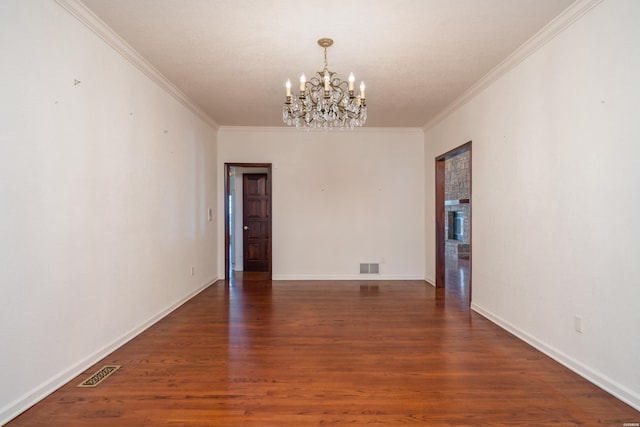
{"x": 232, "y": 57}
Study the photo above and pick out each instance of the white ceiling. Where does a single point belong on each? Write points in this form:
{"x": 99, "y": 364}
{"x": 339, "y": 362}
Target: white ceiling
{"x": 232, "y": 57}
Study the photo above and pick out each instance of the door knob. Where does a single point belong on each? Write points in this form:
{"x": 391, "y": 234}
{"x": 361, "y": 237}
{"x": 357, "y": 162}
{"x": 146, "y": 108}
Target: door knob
{"x": 246, "y": 227}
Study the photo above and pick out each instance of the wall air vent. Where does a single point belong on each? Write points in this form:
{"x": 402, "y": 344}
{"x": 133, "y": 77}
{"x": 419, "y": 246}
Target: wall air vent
{"x": 370, "y": 268}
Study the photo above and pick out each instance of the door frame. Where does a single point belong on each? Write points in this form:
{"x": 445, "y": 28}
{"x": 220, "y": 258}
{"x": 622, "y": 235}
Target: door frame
{"x": 227, "y": 192}
{"x": 440, "y": 237}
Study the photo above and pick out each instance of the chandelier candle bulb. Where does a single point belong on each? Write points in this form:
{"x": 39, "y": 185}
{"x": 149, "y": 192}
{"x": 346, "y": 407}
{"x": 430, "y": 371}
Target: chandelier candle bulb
{"x": 352, "y": 79}
{"x": 362, "y": 90}
{"x": 303, "y": 81}
{"x": 288, "y": 86}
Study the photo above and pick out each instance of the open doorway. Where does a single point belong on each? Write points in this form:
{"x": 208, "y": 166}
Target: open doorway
{"x": 453, "y": 221}
{"x": 248, "y": 246}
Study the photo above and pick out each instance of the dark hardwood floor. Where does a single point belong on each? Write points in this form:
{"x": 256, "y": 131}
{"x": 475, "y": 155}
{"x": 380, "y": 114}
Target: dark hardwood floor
{"x": 457, "y": 278}
{"x": 262, "y": 353}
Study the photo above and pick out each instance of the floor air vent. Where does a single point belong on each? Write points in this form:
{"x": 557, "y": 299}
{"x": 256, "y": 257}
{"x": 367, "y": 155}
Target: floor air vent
{"x": 370, "y": 268}
{"x": 99, "y": 376}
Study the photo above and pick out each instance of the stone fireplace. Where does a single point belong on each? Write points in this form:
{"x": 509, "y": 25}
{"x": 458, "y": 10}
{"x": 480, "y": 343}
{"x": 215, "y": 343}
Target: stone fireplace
{"x": 455, "y": 230}
{"x": 457, "y": 206}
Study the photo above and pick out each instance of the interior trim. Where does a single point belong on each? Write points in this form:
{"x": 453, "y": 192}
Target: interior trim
{"x": 571, "y": 14}
{"x": 263, "y": 129}
{"x": 83, "y": 14}
{"x": 619, "y": 391}
{"x": 52, "y": 384}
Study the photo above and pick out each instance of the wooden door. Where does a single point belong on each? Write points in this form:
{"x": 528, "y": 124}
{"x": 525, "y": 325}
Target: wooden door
{"x": 256, "y": 222}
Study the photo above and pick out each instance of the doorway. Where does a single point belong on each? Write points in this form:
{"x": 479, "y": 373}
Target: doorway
{"x": 453, "y": 220}
{"x": 248, "y": 242}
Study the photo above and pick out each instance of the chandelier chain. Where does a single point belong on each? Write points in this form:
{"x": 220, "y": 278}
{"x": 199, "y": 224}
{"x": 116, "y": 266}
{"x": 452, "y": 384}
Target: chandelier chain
{"x": 326, "y": 62}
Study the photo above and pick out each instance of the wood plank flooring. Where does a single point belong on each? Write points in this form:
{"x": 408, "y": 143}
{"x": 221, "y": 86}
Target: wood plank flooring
{"x": 261, "y": 353}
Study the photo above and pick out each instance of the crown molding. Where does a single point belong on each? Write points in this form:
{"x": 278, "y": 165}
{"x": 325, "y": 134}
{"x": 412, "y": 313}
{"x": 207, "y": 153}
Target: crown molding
{"x": 83, "y": 14}
{"x": 263, "y": 129}
{"x": 571, "y": 14}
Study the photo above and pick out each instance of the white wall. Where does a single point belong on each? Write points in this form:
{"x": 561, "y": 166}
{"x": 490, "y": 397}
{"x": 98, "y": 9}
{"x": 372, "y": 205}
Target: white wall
{"x": 339, "y": 199}
{"x": 556, "y": 143}
{"x": 104, "y": 189}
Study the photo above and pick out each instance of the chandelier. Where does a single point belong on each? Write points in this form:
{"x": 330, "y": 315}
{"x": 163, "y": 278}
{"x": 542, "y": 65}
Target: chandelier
{"x": 325, "y": 101}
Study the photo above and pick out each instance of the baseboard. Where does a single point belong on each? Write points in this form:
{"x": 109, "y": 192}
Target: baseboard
{"x": 619, "y": 391}
{"x": 362, "y": 277}
{"x": 29, "y": 399}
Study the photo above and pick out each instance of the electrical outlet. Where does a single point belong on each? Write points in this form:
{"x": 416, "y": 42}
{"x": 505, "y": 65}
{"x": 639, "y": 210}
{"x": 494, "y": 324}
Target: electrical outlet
{"x": 577, "y": 323}
{"x": 210, "y": 214}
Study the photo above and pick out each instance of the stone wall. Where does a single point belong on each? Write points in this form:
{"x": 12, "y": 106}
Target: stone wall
{"x": 457, "y": 187}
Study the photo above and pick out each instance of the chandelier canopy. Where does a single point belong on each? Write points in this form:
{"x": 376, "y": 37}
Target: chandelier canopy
{"x": 325, "y": 101}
